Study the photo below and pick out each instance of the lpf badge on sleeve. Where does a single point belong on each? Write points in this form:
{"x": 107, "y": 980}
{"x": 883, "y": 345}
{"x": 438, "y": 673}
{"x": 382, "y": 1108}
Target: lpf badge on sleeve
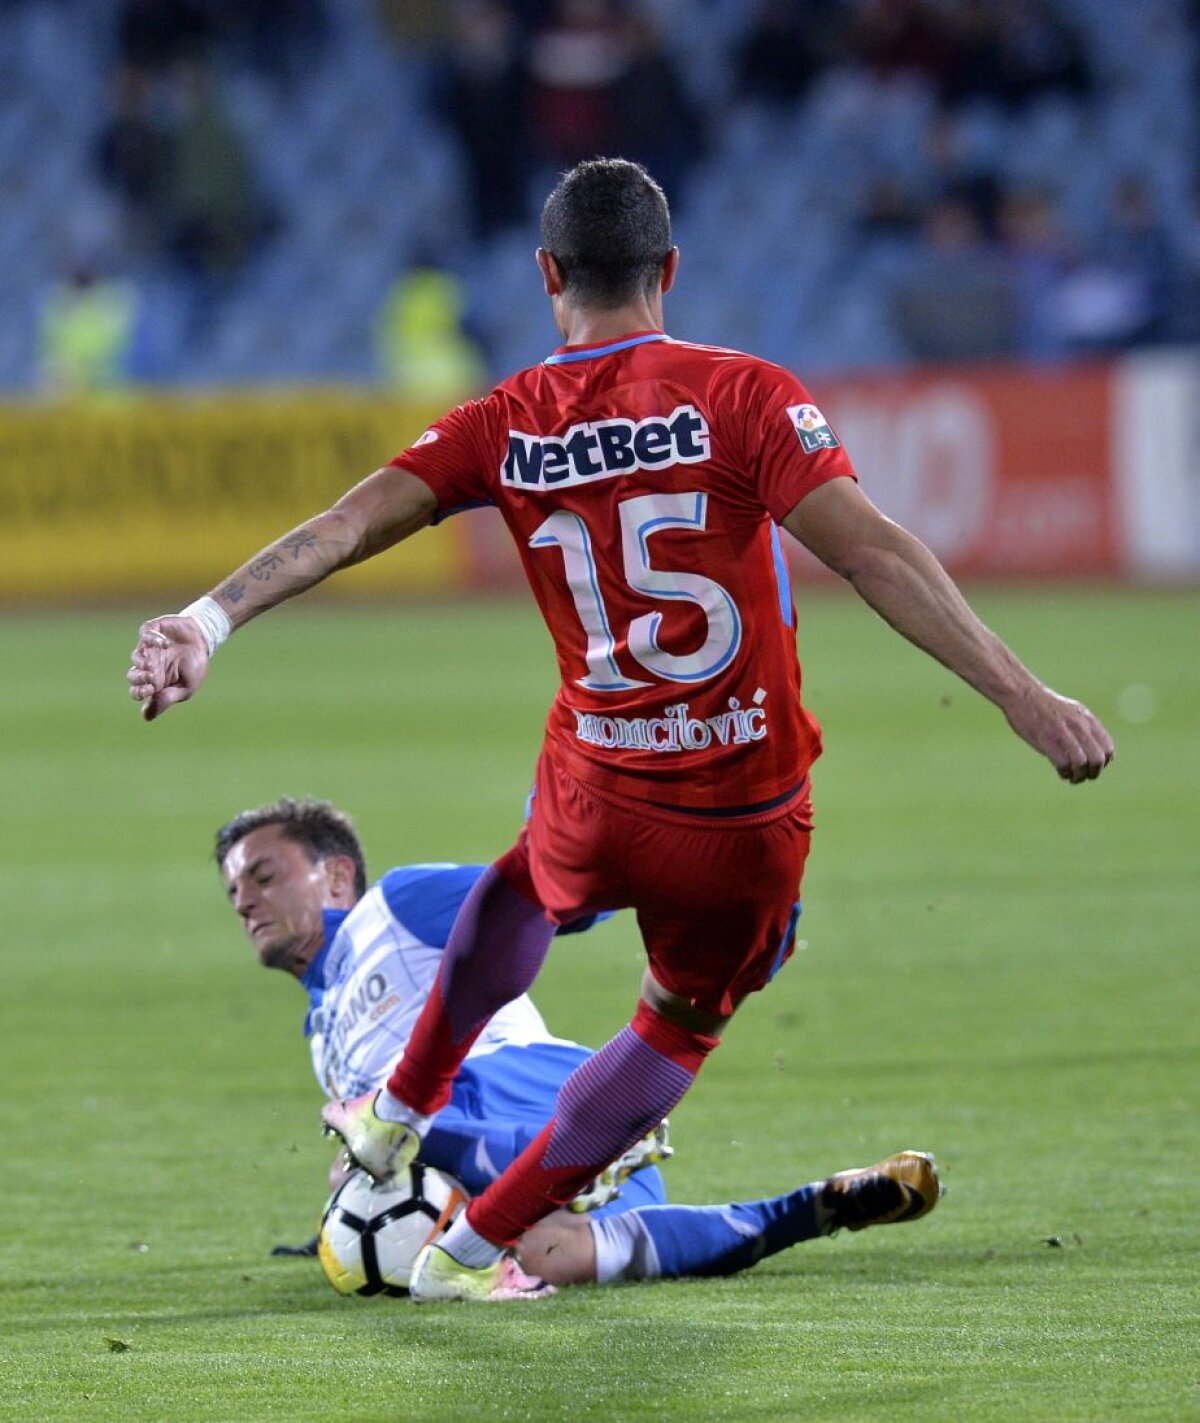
{"x": 812, "y": 429}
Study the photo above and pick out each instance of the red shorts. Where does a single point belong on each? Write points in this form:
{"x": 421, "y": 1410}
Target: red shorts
{"x": 717, "y": 898}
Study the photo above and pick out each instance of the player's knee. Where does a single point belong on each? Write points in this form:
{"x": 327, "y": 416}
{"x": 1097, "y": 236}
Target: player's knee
{"x": 676, "y": 1035}
{"x": 559, "y": 1249}
{"x": 678, "y": 1010}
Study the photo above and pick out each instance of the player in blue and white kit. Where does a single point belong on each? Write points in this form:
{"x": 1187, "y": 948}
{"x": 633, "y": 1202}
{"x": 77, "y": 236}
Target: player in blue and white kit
{"x": 368, "y": 957}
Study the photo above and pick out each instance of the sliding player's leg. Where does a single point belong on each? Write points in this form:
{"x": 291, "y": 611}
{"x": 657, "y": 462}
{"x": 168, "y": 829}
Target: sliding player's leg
{"x": 635, "y": 1241}
{"x": 498, "y": 944}
{"x": 562, "y": 1248}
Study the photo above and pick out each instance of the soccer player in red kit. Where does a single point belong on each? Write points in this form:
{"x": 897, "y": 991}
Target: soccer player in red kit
{"x": 644, "y": 481}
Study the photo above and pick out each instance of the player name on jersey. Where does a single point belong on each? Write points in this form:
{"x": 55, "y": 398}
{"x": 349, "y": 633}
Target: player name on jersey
{"x": 675, "y": 730}
{"x": 600, "y": 449}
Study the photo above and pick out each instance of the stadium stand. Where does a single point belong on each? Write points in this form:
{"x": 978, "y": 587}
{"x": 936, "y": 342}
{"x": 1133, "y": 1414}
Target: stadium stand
{"x": 824, "y": 158}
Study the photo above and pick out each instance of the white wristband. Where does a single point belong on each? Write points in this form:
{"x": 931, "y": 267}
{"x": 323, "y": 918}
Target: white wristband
{"x": 213, "y": 619}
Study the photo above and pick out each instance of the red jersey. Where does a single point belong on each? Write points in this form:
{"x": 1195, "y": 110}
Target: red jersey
{"x": 643, "y": 481}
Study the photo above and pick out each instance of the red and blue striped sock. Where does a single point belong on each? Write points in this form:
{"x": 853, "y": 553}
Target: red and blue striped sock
{"x": 604, "y": 1107}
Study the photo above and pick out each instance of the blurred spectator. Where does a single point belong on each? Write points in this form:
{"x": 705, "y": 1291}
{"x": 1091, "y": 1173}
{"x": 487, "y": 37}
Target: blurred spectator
{"x": 483, "y": 99}
{"x": 659, "y": 125}
{"x": 416, "y": 22}
{"x": 889, "y": 214}
{"x": 1036, "y": 258}
{"x": 953, "y": 304}
{"x": 576, "y": 64}
{"x": 423, "y": 352}
{"x": 955, "y": 172}
{"x": 86, "y": 333}
{"x": 1013, "y": 53}
{"x": 277, "y": 38}
{"x": 213, "y": 210}
{"x": 1117, "y": 297}
{"x": 896, "y": 37}
{"x": 1041, "y": 53}
{"x": 1135, "y": 239}
{"x": 788, "y": 44}
{"x": 131, "y": 155}
{"x": 155, "y": 34}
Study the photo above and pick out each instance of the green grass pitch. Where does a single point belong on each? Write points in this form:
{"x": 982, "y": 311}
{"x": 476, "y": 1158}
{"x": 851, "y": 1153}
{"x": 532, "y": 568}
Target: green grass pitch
{"x": 997, "y": 967}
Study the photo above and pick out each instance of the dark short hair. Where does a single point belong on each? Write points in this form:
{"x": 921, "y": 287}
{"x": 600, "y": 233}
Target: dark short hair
{"x": 608, "y": 226}
{"x": 318, "y": 825}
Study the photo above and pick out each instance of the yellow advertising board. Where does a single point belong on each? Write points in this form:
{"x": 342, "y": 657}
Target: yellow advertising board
{"x": 164, "y": 494}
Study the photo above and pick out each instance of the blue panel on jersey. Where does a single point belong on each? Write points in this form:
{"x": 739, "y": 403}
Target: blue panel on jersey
{"x": 783, "y": 578}
{"x": 313, "y": 977}
{"x": 563, "y": 357}
{"x": 426, "y": 898}
{"x": 788, "y": 939}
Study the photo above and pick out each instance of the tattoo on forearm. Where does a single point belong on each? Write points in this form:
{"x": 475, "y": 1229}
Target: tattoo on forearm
{"x": 296, "y": 543}
{"x": 267, "y": 564}
{"x": 262, "y": 568}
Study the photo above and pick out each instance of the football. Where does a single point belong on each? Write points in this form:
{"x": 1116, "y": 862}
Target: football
{"x": 370, "y": 1234}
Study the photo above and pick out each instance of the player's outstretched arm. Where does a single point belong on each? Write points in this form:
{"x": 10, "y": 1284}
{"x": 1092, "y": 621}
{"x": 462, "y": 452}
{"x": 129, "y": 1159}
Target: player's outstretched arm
{"x": 907, "y": 586}
{"x": 171, "y": 658}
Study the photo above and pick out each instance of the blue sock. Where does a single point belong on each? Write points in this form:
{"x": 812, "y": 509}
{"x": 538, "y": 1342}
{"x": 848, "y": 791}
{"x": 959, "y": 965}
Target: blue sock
{"x": 670, "y": 1241}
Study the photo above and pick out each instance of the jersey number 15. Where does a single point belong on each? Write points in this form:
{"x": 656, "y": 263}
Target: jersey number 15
{"x": 641, "y": 518}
